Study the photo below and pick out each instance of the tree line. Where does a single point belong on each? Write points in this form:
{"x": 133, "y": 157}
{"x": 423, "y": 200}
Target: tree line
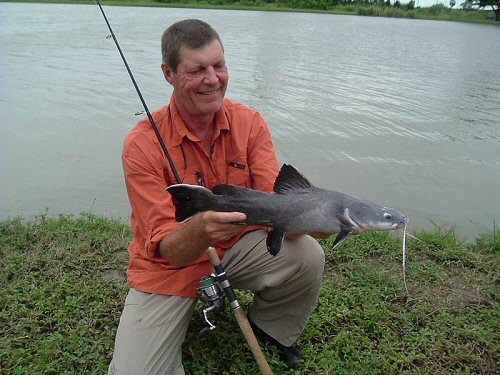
{"x": 387, "y": 8}
{"x": 485, "y": 4}
{"x": 483, "y": 11}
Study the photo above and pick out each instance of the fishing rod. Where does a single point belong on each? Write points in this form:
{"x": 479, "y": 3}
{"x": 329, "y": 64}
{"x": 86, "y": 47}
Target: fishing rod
{"x": 150, "y": 117}
{"x": 221, "y": 275}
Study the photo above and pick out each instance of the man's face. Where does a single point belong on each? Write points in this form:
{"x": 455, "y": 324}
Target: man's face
{"x": 201, "y": 79}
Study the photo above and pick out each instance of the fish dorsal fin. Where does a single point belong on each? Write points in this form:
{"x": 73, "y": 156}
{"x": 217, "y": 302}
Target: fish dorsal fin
{"x": 226, "y": 189}
{"x": 289, "y": 179}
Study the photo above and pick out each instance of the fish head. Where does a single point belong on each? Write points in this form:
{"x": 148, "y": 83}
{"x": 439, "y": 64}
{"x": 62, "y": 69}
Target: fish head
{"x": 365, "y": 215}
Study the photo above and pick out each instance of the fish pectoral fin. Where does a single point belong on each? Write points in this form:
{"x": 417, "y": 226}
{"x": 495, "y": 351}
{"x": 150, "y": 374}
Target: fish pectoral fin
{"x": 343, "y": 235}
{"x": 274, "y": 241}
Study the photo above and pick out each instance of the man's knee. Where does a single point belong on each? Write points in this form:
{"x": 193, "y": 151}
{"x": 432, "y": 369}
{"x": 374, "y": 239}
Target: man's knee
{"x": 306, "y": 251}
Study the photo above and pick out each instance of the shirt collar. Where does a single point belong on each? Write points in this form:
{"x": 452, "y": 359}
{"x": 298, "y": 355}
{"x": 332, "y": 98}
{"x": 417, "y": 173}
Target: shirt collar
{"x": 180, "y": 129}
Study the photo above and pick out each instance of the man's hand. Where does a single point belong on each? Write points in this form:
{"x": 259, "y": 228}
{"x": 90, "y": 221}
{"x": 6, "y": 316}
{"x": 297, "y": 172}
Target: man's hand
{"x": 201, "y": 231}
{"x": 218, "y": 226}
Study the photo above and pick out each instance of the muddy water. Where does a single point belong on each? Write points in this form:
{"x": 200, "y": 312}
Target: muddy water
{"x": 402, "y": 112}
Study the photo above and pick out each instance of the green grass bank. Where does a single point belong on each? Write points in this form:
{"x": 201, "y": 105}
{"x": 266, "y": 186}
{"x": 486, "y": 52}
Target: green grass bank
{"x": 62, "y": 287}
{"x": 434, "y": 12}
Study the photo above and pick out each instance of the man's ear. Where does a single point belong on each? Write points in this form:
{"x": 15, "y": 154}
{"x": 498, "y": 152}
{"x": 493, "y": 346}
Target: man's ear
{"x": 167, "y": 73}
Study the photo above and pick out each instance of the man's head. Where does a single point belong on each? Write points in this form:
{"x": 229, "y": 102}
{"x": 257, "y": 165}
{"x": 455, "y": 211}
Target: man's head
{"x": 191, "y": 34}
{"x": 194, "y": 64}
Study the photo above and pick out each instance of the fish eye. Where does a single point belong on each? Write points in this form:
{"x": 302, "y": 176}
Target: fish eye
{"x": 387, "y": 215}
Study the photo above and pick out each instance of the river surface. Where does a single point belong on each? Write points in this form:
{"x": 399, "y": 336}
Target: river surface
{"x": 405, "y": 113}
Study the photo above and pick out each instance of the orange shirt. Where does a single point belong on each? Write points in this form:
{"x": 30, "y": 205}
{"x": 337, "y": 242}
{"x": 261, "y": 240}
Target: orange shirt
{"x": 242, "y": 154}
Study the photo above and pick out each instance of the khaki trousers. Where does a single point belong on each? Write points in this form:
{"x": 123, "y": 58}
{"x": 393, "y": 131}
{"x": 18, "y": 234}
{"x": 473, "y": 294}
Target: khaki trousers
{"x": 152, "y": 327}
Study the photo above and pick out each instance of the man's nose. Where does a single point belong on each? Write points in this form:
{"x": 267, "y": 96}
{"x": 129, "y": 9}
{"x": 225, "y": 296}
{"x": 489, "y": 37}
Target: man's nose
{"x": 210, "y": 76}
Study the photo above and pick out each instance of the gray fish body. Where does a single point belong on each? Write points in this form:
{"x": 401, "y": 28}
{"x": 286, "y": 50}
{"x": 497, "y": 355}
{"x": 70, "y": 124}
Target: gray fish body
{"x": 297, "y": 206}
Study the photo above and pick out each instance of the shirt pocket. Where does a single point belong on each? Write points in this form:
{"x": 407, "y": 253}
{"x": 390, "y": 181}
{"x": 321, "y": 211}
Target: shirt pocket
{"x": 239, "y": 174}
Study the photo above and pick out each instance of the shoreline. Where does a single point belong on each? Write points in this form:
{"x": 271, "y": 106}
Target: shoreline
{"x": 436, "y": 12}
{"x": 441, "y": 230}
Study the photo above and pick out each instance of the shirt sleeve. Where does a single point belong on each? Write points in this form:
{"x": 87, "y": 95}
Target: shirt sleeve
{"x": 153, "y": 214}
{"x": 261, "y": 156}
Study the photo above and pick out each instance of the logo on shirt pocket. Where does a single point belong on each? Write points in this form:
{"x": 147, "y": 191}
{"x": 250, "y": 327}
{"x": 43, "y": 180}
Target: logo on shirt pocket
{"x": 238, "y": 174}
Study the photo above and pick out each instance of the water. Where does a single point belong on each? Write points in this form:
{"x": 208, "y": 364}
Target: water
{"x": 402, "y": 112}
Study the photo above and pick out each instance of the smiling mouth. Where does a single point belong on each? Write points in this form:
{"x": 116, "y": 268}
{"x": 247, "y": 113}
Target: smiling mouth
{"x": 208, "y": 93}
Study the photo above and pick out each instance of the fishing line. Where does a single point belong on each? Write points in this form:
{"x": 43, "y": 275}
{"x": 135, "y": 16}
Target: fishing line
{"x": 157, "y": 132}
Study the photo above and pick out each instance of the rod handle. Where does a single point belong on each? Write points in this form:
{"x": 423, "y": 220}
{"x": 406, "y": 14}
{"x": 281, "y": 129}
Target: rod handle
{"x": 243, "y": 322}
{"x": 213, "y": 256}
{"x": 245, "y": 327}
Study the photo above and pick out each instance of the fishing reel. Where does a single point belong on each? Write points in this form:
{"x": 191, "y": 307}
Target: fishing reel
{"x": 211, "y": 292}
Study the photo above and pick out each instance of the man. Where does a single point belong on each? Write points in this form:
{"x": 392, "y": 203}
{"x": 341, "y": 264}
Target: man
{"x": 211, "y": 140}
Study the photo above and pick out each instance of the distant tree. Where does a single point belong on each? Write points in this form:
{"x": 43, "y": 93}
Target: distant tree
{"x": 494, "y": 4}
{"x": 436, "y": 8}
{"x": 452, "y": 3}
{"x": 410, "y": 5}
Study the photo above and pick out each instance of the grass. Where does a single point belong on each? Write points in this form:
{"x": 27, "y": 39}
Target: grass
{"x": 62, "y": 286}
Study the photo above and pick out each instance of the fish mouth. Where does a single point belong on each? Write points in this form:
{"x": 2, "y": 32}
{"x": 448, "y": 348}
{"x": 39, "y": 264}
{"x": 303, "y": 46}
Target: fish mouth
{"x": 400, "y": 224}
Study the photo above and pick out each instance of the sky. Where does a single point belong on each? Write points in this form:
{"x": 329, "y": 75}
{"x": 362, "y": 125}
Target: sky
{"x": 428, "y": 3}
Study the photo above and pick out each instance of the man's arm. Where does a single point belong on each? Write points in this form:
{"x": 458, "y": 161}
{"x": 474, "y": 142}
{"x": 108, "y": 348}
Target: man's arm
{"x": 153, "y": 213}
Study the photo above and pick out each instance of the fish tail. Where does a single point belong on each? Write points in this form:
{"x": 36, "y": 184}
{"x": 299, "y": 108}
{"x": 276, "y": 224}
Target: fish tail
{"x": 189, "y": 200}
